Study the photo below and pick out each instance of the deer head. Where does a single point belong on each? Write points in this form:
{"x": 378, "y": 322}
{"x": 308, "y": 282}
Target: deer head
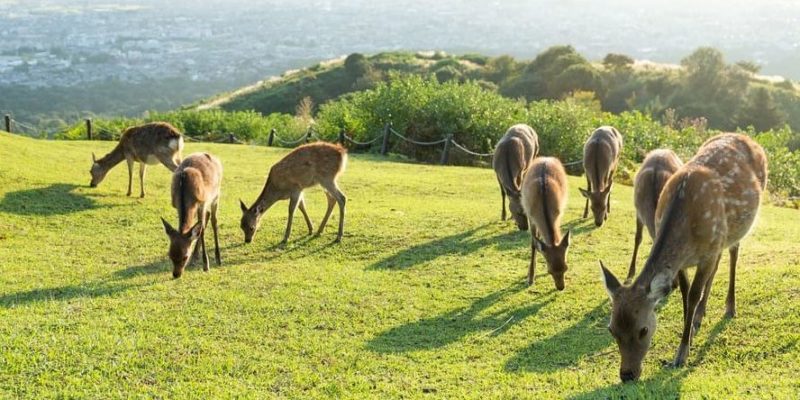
{"x": 97, "y": 171}
{"x": 633, "y": 319}
{"x": 598, "y": 202}
{"x": 517, "y": 212}
{"x": 180, "y": 246}
{"x": 251, "y": 219}
{"x": 556, "y": 257}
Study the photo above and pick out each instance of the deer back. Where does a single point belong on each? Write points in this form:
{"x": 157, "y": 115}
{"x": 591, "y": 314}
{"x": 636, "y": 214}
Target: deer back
{"x": 195, "y": 184}
{"x": 544, "y": 197}
{"x": 657, "y": 168}
{"x": 145, "y": 141}
{"x": 601, "y": 155}
{"x": 307, "y": 166}
{"x": 513, "y": 156}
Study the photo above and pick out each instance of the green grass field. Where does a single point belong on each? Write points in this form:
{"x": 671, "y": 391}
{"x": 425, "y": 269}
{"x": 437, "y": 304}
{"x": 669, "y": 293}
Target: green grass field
{"x": 425, "y": 296}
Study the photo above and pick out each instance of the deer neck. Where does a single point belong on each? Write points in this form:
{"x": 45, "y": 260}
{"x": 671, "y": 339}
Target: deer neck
{"x": 113, "y": 158}
{"x": 269, "y": 196}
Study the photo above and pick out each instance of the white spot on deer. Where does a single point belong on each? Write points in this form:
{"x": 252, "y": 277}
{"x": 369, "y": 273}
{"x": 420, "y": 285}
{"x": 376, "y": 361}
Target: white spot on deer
{"x": 175, "y": 144}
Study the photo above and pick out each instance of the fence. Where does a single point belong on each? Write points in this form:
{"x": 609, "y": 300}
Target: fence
{"x": 448, "y": 142}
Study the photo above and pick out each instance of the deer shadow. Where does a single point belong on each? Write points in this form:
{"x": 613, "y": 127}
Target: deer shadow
{"x": 462, "y": 244}
{"x": 579, "y": 226}
{"x": 56, "y": 199}
{"x": 666, "y": 383}
{"x": 566, "y": 348}
{"x": 63, "y": 293}
{"x": 447, "y": 328}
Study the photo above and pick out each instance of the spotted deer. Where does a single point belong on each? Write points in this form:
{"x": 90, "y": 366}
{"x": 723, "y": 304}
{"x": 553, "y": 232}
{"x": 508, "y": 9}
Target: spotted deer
{"x": 306, "y": 166}
{"x": 195, "y": 194}
{"x": 513, "y": 156}
{"x": 656, "y": 169}
{"x": 153, "y": 143}
{"x": 708, "y": 205}
{"x": 601, "y": 155}
{"x": 544, "y": 198}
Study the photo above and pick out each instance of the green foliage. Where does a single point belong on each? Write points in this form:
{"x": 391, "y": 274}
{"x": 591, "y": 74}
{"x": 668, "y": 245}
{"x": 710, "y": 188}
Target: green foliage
{"x": 760, "y": 111}
{"x": 617, "y": 61}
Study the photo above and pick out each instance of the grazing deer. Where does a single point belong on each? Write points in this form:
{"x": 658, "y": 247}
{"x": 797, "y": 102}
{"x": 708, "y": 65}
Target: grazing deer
{"x": 308, "y": 165}
{"x": 656, "y": 169}
{"x": 512, "y": 157}
{"x": 544, "y": 197}
{"x": 708, "y": 205}
{"x": 600, "y": 159}
{"x": 195, "y": 192}
{"x": 146, "y": 144}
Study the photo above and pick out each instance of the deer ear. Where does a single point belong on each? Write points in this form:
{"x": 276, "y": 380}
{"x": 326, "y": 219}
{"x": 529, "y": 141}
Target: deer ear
{"x": 94, "y": 158}
{"x": 168, "y": 228}
{"x": 565, "y": 239}
{"x": 659, "y": 288}
{"x": 197, "y": 229}
{"x": 584, "y": 192}
{"x": 242, "y": 205}
{"x": 610, "y": 281}
{"x": 539, "y": 245}
{"x": 608, "y": 187}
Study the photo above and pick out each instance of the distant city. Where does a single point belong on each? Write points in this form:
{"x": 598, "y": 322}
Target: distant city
{"x": 49, "y": 43}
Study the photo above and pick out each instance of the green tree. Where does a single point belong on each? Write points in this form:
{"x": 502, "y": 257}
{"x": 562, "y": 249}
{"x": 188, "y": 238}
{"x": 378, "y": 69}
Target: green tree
{"x": 614, "y": 61}
{"x": 760, "y": 111}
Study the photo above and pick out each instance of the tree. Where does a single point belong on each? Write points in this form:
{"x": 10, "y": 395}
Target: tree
{"x": 749, "y": 66}
{"x": 704, "y": 70}
{"x": 760, "y": 111}
{"x": 356, "y": 65}
{"x": 614, "y": 61}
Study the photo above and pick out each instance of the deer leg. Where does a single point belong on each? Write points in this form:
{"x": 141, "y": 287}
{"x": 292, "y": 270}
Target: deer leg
{"x": 302, "y": 206}
{"x": 294, "y": 198}
{"x": 701, "y": 308}
{"x": 695, "y": 294}
{"x": 532, "y": 266}
{"x": 589, "y": 189}
{"x": 341, "y": 199}
{"x": 216, "y": 231}
{"x": 502, "y": 202}
{"x": 130, "y": 175}
{"x": 730, "y": 302}
{"x": 637, "y": 240}
{"x": 204, "y": 221}
{"x": 331, "y": 203}
{"x": 142, "y": 168}
{"x": 683, "y": 283}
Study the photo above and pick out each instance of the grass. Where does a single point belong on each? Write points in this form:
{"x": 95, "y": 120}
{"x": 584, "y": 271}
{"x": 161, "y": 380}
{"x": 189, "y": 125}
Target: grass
{"x": 424, "y": 297}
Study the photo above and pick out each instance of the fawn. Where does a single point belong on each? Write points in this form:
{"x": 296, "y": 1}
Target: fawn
{"x": 656, "y": 169}
{"x": 308, "y": 165}
{"x": 708, "y": 205}
{"x": 195, "y": 192}
{"x": 512, "y": 157}
{"x": 544, "y": 197}
{"x": 601, "y": 155}
{"x": 146, "y": 144}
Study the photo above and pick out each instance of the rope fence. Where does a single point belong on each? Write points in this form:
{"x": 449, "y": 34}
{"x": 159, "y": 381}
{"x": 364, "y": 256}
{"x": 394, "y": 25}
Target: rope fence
{"x": 93, "y": 129}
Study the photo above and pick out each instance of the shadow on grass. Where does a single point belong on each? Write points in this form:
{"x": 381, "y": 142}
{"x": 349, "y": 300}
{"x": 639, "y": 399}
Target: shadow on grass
{"x": 63, "y": 293}
{"x": 666, "y": 383}
{"x": 462, "y": 244}
{"x": 56, "y": 199}
{"x": 436, "y": 332}
{"x": 565, "y": 348}
{"x": 579, "y": 226}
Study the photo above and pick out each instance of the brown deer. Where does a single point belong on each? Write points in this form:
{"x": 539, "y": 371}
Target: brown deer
{"x": 146, "y": 144}
{"x": 308, "y": 165}
{"x": 195, "y": 193}
{"x": 656, "y": 169}
{"x": 544, "y": 198}
{"x": 708, "y": 205}
{"x": 600, "y": 159}
{"x": 513, "y": 156}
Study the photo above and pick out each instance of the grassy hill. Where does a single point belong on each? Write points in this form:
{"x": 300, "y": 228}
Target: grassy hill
{"x": 425, "y": 295}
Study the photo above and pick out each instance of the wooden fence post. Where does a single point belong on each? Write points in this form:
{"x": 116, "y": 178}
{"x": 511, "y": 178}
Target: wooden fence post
{"x": 446, "y": 150}
{"x": 89, "y": 128}
{"x": 231, "y": 138}
{"x": 385, "y": 145}
{"x": 271, "y": 137}
{"x": 341, "y": 137}
{"x": 8, "y": 123}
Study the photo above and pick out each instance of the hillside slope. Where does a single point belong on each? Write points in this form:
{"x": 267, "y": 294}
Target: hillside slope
{"x": 424, "y": 295}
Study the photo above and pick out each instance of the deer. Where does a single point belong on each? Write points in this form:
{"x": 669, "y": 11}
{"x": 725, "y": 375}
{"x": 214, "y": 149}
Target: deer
{"x": 708, "y": 205}
{"x": 657, "y": 167}
{"x": 195, "y": 194}
{"x": 513, "y": 156}
{"x": 544, "y": 198}
{"x": 601, "y": 154}
{"x": 306, "y": 166}
{"x": 152, "y": 143}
